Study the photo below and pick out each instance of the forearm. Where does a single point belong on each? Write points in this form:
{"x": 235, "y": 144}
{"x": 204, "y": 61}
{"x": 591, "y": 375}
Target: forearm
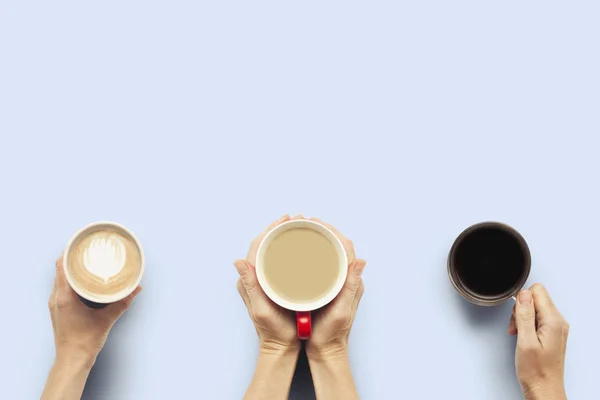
{"x": 332, "y": 376}
{"x": 273, "y": 375}
{"x": 67, "y": 377}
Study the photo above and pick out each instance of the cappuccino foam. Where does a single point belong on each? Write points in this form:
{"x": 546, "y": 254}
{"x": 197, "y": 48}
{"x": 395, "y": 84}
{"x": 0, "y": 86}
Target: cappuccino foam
{"x": 104, "y": 262}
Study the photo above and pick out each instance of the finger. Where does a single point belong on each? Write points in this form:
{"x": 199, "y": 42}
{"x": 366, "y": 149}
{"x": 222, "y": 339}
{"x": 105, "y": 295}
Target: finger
{"x": 128, "y": 301}
{"x": 281, "y": 220}
{"x": 296, "y": 217}
{"x": 348, "y": 245}
{"x": 359, "y": 295}
{"x": 241, "y": 267}
{"x": 525, "y": 320}
{"x": 353, "y": 280}
{"x": 254, "y": 292}
{"x": 52, "y": 299}
{"x": 544, "y": 307}
{"x": 123, "y": 305}
{"x": 330, "y": 227}
{"x": 251, "y": 256}
{"x": 260, "y": 237}
{"x": 242, "y": 291}
{"x": 512, "y": 327}
{"x": 61, "y": 283}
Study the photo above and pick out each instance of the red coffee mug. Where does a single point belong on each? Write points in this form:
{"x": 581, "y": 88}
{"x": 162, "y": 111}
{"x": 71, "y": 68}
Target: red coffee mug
{"x": 303, "y": 310}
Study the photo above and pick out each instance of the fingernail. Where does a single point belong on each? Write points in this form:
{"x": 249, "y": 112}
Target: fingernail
{"x": 241, "y": 266}
{"x": 525, "y": 297}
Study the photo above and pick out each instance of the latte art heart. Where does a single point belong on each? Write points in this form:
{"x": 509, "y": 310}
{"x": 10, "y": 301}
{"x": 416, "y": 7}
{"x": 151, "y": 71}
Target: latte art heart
{"x": 105, "y": 258}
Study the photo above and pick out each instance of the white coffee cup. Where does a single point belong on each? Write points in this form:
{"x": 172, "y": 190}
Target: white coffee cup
{"x": 90, "y": 299}
{"x": 303, "y": 310}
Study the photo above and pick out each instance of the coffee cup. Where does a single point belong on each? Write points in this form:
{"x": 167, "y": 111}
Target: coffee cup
{"x": 489, "y": 263}
{"x": 103, "y": 263}
{"x": 318, "y": 247}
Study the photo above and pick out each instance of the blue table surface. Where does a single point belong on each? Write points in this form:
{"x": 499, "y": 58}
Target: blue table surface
{"x": 198, "y": 123}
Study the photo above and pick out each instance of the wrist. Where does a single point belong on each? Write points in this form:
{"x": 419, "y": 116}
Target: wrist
{"x": 331, "y": 372}
{"x": 267, "y": 348}
{"x": 545, "y": 390}
{"x": 274, "y": 371}
{"x": 76, "y": 357}
{"x": 336, "y": 350}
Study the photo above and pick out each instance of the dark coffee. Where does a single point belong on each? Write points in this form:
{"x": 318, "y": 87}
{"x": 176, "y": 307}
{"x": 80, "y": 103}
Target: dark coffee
{"x": 489, "y": 262}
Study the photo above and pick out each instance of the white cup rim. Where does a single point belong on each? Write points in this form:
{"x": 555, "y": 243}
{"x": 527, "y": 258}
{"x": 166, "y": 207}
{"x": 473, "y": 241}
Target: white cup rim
{"x": 343, "y": 265}
{"x": 106, "y": 299}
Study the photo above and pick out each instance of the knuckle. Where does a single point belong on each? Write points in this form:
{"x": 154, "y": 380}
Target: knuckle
{"x": 339, "y": 315}
{"x": 248, "y": 284}
{"x": 566, "y": 328}
{"x": 61, "y": 304}
{"x": 537, "y": 286}
{"x": 557, "y": 324}
{"x": 61, "y": 301}
{"x": 349, "y": 246}
{"x": 527, "y": 348}
{"x": 261, "y": 316}
{"x": 361, "y": 287}
{"x": 351, "y": 288}
{"x": 526, "y": 316}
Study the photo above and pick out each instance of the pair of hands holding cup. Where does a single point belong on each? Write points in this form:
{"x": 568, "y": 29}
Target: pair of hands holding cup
{"x": 276, "y": 326}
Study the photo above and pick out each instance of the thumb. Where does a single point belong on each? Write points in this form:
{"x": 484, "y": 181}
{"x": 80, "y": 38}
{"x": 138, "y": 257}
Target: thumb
{"x": 525, "y": 319}
{"x": 251, "y": 286}
{"x": 118, "y": 308}
{"x": 353, "y": 279}
{"x": 248, "y": 277}
{"x": 61, "y": 279}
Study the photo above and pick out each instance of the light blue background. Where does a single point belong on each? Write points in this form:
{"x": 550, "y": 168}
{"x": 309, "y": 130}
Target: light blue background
{"x": 198, "y": 123}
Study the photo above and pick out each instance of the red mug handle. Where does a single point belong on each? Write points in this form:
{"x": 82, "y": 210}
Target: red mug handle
{"x": 304, "y": 323}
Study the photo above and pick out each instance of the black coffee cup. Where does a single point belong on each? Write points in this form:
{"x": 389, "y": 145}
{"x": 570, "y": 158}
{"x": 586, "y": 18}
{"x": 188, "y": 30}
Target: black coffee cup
{"x": 489, "y": 263}
{"x": 91, "y": 304}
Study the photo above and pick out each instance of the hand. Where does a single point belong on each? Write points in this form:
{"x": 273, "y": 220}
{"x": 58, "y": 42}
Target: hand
{"x": 79, "y": 335}
{"x": 541, "y": 344}
{"x": 332, "y": 324}
{"x": 275, "y": 326}
{"x": 78, "y": 330}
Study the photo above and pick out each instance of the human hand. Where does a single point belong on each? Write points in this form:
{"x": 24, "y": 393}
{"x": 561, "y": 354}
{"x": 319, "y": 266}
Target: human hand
{"x": 80, "y": 332}
{"x": 331, "y": 325}
{"x": 541, "y": 344}
{"x": 275, "y": 326}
